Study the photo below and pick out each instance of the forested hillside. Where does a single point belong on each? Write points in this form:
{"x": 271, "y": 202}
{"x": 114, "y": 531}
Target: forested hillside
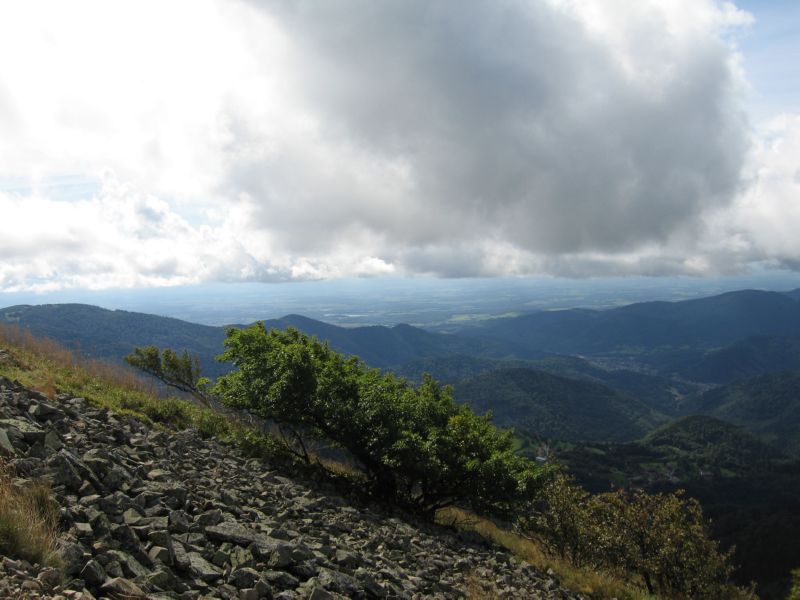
{"x": 765, "y": 405}
{"x": 746, "y": 358}
{"x": 554, "y": 407}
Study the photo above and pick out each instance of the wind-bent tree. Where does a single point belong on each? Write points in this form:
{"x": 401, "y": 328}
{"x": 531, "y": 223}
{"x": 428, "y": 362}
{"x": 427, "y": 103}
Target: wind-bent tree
{"x": 415, "y": 443}
{"x": 180, "y": 371}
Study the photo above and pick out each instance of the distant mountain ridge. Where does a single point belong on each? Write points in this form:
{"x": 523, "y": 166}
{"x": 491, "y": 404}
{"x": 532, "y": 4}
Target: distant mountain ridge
{"x": 700, "y": 323}
{"x": 112, "y": 334}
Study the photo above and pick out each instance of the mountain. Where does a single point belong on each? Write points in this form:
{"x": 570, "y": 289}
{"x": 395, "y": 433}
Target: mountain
{"x": 383, "y": 347}
{"x": 746, "y": 358}
{"x": 693, "y": 324}
{"x": 453, "y": 368}
{"x": 766, "y": 405}
{"x": 112, "y": 334}
{"x": 555, "y": 407}
{"x": 659, "y": 393}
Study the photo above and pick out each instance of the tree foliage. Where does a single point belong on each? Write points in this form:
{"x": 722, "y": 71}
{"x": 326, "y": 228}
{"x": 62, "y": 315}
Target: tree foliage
{"x": 662, "y": 538}
{"x": 414, "y": 442}
{"x": 794, "y": 593}
{"x": 178, "y": 370}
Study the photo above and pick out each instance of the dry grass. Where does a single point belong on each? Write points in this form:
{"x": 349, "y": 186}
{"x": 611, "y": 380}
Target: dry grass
{"x": 476, "y": 588}
{"x": 594, "y": 584}
{"x": 50, "y": 368}
{"x": 15, "y": 336}
{"x": 28, "y": 520}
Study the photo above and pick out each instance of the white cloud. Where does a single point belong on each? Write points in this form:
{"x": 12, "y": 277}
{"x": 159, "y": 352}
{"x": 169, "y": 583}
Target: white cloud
{"x": 272, "y": 141}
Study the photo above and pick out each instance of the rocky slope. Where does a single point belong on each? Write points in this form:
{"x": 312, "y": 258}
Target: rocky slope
{"x": 148, "y": 513}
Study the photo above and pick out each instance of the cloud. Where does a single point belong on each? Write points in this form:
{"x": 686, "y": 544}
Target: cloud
{"x": 274, "y": 141}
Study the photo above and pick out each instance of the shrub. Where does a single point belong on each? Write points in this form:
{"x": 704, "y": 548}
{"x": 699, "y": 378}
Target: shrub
{"x": 662, "y": 539}
{"x": 560, "y": 518}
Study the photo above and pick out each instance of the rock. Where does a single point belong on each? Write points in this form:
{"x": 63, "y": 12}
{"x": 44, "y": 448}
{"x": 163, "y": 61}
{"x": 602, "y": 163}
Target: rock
{"x": 162, "y": 578}
{"x": 234, "y": 533}
{"x": 6, "y": 448}
{"x": 318, "y": 593}
{"x": 372, "y": 587}
{"x": 72, "y": 555}
{"x": 244, "y": 578}
{"x": 203, "y": 569}
{"x": 211, "y": 517}
{"x": 178, "y": 521}
{"x": 122, "y": 589}
{"x": 52, "y": 442}
{"x": 62, "y": 472}
{"x": 131, "y": 516}
{"x": 160, "y": 554}
{"x": 44, "y": 412}
{"x": 180, "y": 557}
{"x": 264, "y": 589}
{"x": 30, "y": 432}
{"x": 49, "y": 577}
{"x": 93, "y": 573}
{"x": 337, "y": 582}
{"x": 345, "y": 558}
{"x": 159, "y": 475}
{"x": 241, "y": 557}
{"x": 280, "y": 579}
{"x": 83, "y": 530}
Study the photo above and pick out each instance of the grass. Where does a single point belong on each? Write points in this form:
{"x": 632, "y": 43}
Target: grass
{"x": 28, "y": 521}
{"x": 594, "y": 584}
{"x": 476, "y": 588}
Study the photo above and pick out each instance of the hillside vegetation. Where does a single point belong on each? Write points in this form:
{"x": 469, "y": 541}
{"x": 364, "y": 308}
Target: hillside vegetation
{"x": 554, "y": 407}
{"x": 747, "y": 358}
{"x": 659, "y": 393}
{"x": 767, "y": 405}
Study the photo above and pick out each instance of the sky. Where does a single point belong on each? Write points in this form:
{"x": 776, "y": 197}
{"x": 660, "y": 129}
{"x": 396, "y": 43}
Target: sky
{"x": 148, "y": 144}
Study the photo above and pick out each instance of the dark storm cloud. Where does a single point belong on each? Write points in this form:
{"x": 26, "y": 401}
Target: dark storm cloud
{"x": 508, "y": 120}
